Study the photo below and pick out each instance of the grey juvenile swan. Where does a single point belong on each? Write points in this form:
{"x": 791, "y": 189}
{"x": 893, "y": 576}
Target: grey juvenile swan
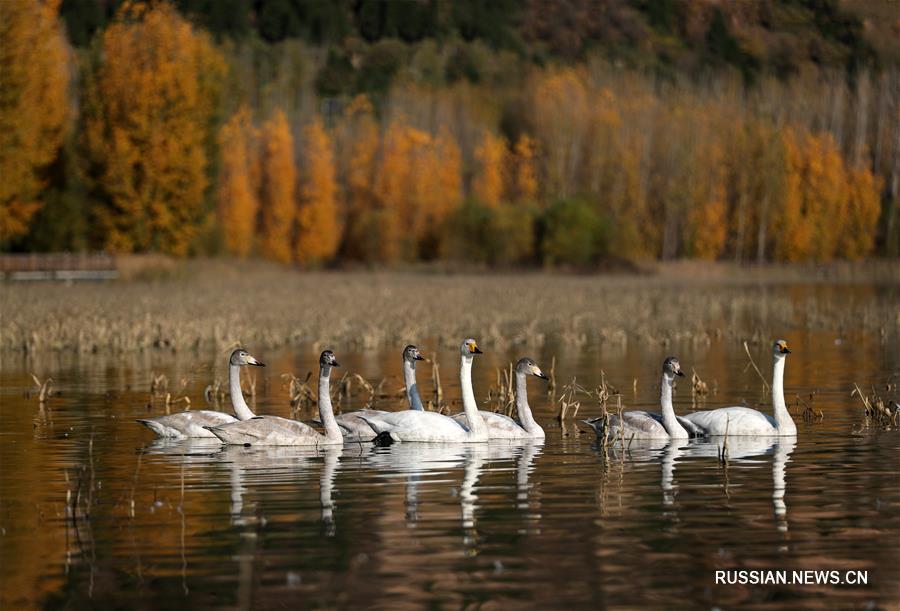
{"x": 353, "y": 425}
{"x": 277, "y": 431}
{"x": 193, "y": 423}
{"x": 501, "y": 426}
{"x": 650, "y": 425}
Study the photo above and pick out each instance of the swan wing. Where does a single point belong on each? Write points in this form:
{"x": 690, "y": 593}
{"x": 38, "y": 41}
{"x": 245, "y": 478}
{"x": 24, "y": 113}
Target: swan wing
{"x": 633, "y": 425}
{"x": 354, "y": 426}
{"x": 414, "y": 425}
{"x": 733, "y": 421}
{"x": 187, "y": 424}
{"x": 268, "y": 430}
{"x": 501, "y": 426}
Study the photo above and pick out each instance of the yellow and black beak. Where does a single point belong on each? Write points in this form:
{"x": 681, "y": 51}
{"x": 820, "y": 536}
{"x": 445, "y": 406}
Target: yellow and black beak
{"x": 784, "y": 349}
{"x": 474, "y": 349}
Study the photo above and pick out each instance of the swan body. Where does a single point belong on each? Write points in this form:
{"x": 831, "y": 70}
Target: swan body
{"x": 194, "y": 423}
{"x": 277, "y": 431}
{"x": 501, "y": 426}
{"x": 649, "y": 425}
{"x": 414, "y": 425}
{"x": 746, "y": 421}
{"x": 353, "y": 424}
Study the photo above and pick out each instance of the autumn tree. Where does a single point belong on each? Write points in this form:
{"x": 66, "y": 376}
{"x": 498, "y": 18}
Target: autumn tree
{"x": 34, "y": 106}
{"x": 149, "y": 107}
{"x": 491, "y": 159}
{"x": 318, "y": 228}
{"x": 237, "y": 194}
{"x": 360, "y": 131}
{"x": 523, "y": 170}
{"x": 277, "y": 189}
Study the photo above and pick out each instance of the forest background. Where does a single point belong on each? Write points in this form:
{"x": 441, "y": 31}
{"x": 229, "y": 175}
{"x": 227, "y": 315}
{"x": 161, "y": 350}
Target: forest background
{"x": 503, "y": 133}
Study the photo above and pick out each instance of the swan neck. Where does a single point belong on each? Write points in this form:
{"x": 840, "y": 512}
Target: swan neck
{"x": 241, "y": 409}
{"x": 326, "y": 413}
{"x": 783, "y": 420}
{"x": 526, "y": 419}
{"x": 670, "y": 422}
{"x": 412, "y": 389}
{"x": 477, "y": 428}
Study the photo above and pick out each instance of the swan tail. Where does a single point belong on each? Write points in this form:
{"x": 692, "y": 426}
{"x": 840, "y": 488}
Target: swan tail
{"x": 157, "y": 427}
{"x": 231, "y": 437}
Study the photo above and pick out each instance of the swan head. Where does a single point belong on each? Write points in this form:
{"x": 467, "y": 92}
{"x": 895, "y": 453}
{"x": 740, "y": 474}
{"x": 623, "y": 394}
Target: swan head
{"x": 411, "y": 354}
{"x": 470, "y": 347}
{"x": 671, "y": 367}
{"x": 241, "y": 357}
{"x": 327, "y": 359}
{"x": 527, "y": 366}
{"x": 780, "y": 349}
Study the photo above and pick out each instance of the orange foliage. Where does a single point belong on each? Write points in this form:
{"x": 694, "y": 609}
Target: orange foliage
{"x": 524, "y": 170}
{"x": 561, "y": 101}
{"x": 237, "y": 195}
{"x": 857, "y": 237}
{"x": 277, "y": 188}
{"x": 708, "y": 215}
{"x": 318, "y": 228}
{"x": 363, "y": 216}
{"x": 491, "y": 156}
{"x": 149, "y": 108}
{"x": 417, "y": 186}
{"x": 34, "y": 106}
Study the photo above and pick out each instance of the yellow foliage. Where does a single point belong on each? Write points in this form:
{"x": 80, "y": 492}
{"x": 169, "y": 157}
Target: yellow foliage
{"x": 149, "y": 108}
{"x": 857, "y": 237}
{"x": 562, "y": 110}
{"x": 237, "y": 194}
{"x": 491, "y": 157}
{"x": 34, "y": 106}
{"x": 319, "y": 232}
{"x": 524, "y": 170}
{"x": 363, "y": 216}
{"x": 417, "y": 186}
{"x": 708, "y": 215}
{"x": 278, "y": 182}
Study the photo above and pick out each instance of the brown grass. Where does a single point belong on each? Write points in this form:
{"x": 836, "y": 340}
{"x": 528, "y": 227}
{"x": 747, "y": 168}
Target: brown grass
{"x": 217, "y": 303}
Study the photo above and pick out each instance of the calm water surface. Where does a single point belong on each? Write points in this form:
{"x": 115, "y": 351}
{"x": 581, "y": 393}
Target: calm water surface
{"x": 94, "y": 514}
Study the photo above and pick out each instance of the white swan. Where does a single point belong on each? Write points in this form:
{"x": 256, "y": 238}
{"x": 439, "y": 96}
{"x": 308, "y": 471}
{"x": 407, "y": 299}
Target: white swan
{"x": 277, "y": 431}
{"x": 649, "y": 425}
{"x": 413, "y": 425}
{"x": 747, "y": 421}
{"x": 501, "y": 426}
{"x": 193, "y": 423}
{"x": 353, "y": 425}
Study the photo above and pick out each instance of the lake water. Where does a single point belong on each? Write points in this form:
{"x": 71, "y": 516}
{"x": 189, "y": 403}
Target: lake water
{"x": 94, "y": 514}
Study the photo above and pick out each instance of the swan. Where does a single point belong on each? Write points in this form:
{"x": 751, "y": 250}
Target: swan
{"x": 414, "y": 425}
{"x": 650, "y": 425}
{"x": 277, "y": 431}
{"x": 747, "y": 421}
{"x": 193, "y": 423}
{"x": 501, "y": 426}
{"x": 352, "y": 424}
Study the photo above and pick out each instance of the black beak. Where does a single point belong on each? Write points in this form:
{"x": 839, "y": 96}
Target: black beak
{"x": 679, "y": 373}
{"x": 477, "y": 350}
{"x": 259, "y": 364}
{"x": 785, "y": 351}
{"x": 419, "y": 357}
{"x": 335, "y": 364}
{"x": 542, "y": 376}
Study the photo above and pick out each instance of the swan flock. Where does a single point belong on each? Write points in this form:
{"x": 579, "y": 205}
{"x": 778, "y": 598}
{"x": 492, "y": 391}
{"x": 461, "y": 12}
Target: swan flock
{"x": 472, "y": 425}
